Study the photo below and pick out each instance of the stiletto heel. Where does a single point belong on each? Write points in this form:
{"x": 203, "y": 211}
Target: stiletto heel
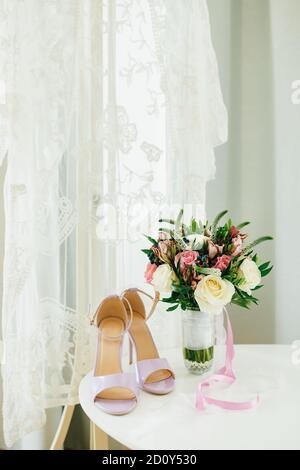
{"x": 112, "y": 390}
{"x": 130, "y": 352}
{"x": 154, "y": 374}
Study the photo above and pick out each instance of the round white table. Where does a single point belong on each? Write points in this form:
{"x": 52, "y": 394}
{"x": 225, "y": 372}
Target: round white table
{"x": 171, "y": 422}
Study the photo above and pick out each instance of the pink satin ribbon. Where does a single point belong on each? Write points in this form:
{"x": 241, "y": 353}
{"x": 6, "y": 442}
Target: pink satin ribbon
{"x": 225, "y": 375}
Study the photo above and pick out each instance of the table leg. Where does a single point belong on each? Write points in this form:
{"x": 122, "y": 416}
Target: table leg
{"x": 98, "y": 438}
{"x": 64, "y": 424}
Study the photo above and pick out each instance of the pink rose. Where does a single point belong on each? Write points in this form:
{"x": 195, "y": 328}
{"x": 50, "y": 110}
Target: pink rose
{"x": 237, "y": 243}
{"x": 186, "y": 258}
{"x": 150, "y": 270}
{"x": 222, "y": 262}
{"x": 214, "y": 250}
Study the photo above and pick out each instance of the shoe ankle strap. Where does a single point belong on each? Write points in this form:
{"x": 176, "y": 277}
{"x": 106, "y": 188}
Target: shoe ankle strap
{"x": 131, "y": 313}
{"x": 129, "y": 322}
{"x": 155, "y": 299}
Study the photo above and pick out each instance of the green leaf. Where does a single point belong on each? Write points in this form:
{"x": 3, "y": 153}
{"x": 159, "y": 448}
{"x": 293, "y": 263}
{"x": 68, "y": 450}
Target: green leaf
{"x": 241, "y": 300}
{"x": 240, "y": 293}
{"x": 166, "y": 230}
{"x": 240, "y": 303}
{"x": 186, "y": 230}
{"x": 266, "y": 271}
{"x": 168, "y": 301}
{"x": 230, "y": 265}
{"x": 172, "y": 299}
{"x": 242, "y": 225}
{"x": 262, "y": 267}
{"x": 194, "y": 226}
{"x": 171, "y": 309}
{"x": 167, "y": 221}
{"x": 151, "y": 240}
{"x": 208, "y": 271}
{"x": 147, "y": 252}
{"x": 179, "y": 219}
{"x": 258, "y": 287}
{"x": 243, "y": 295}
{"x": 257, "y": 242}
{"x": 217, "y": 220}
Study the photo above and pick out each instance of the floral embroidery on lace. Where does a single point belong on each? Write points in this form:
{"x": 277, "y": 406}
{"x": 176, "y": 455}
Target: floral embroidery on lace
{"x": 126, "y": 132}
{"x": 82, "y": 130}
{"x": 152, "y": 151}
{"x": 67, "y": 218}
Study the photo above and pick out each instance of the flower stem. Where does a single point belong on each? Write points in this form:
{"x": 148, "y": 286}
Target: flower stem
{"x": 198, "y": 355}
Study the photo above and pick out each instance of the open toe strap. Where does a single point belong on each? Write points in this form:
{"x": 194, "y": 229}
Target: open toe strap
{"x": 144, "y": 369}
{"x": 105, "y": 382}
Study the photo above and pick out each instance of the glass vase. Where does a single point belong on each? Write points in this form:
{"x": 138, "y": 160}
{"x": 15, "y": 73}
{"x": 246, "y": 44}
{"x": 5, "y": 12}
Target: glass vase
{"x": 198, "y": 341}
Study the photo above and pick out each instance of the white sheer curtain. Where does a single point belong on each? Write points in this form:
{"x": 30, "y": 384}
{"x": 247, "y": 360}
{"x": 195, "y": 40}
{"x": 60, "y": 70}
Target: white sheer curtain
{"x": 49, "y": 71}
{"x": 105, "y": 103}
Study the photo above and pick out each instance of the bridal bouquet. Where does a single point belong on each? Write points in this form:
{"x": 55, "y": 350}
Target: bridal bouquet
{"x": 205, "y": 267}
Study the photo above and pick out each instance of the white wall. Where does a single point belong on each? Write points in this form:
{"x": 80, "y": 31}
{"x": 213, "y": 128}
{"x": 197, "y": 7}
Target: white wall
{"x": 258, "y": 171}
{"x": 244, "y": 181}
{"x": 285, "y": 17}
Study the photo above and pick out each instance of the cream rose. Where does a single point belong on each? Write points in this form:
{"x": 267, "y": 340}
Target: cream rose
{"x": 213, "y": 293}
{"x": 163, "y": 278}
{"x": 250, "y": 275}
{"x": 195, "y": 241}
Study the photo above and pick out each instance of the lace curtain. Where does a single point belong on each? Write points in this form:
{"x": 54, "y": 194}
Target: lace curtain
{"x": 109, "y": 111}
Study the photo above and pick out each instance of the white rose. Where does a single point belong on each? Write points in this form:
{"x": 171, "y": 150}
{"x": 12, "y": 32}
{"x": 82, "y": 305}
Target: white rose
{"x": 163, "y": 278}
{"x": 196, "y": 241}
{"x": 213, "y": 293}
{"x": 250, "y": 275}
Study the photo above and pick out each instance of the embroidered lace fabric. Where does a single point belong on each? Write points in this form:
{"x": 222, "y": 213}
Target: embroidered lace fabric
{"x": 99, "y": 101}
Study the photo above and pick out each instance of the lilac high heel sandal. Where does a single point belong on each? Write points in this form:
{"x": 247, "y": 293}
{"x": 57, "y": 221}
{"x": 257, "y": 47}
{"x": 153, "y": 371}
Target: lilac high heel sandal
{"x": 154, "y": 374}
{"x": 112, "y": 390}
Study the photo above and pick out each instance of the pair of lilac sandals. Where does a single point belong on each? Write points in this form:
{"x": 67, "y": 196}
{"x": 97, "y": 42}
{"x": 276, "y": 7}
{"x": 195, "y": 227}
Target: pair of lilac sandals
{"x": 112, "y": 390}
